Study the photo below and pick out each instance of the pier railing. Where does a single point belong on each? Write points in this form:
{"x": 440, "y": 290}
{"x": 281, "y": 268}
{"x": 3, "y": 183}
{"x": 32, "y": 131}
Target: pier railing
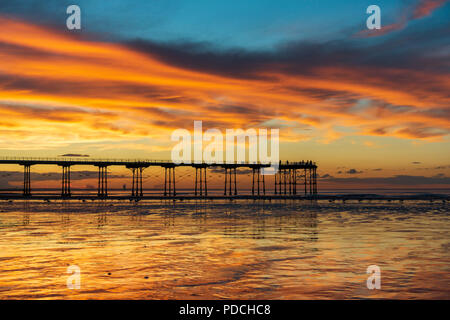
{"x": 137, "y": 160}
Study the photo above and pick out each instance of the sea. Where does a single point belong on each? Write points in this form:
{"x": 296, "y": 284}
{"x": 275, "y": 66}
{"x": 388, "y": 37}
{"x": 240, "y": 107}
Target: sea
{"x": 222, "y": 249}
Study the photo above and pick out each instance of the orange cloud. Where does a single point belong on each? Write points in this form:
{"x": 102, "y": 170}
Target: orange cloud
{"x": 426, "y": 7}
{"x": 58, "y": 89}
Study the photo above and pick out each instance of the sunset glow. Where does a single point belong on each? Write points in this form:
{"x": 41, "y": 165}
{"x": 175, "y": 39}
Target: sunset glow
{"x": 62, "y": 91}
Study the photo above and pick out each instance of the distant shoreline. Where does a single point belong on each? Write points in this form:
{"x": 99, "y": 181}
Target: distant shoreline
{"x": 331, "y": 198}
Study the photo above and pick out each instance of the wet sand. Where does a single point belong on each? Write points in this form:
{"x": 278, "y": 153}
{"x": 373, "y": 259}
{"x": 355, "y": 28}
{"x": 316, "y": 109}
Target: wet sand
{"x": 222, "y": 250}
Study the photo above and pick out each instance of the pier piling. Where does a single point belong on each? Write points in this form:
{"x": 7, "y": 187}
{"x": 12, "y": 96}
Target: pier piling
{"x": 102, "y": 181}
{"x": 27, "y": 180}
{"x": 65, "y": 187}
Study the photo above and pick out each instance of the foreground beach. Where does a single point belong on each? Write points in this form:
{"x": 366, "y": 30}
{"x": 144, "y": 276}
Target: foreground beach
{"x": 224, "y": 250}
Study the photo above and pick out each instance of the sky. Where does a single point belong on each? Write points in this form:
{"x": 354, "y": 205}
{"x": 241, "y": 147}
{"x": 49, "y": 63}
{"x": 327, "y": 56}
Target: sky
{"x": 370, "y": 107}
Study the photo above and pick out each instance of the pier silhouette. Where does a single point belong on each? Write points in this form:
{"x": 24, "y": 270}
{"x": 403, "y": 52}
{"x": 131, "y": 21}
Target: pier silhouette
{"x": 292, "y": 179}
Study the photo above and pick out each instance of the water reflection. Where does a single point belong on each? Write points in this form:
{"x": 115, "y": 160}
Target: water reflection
{"x": 240, "y": 249}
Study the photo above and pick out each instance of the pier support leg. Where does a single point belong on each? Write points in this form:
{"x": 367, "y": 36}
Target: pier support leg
{"x": 132, "y": 181}
{"x": 290, "y": 181}
{"x": 205, "y": 182}
{"x": 259, "y": 179}
{"x": 294, "y": 177}
{"x": 201, "y": 182}
{"x": 102, "y": 181}
{"x": 134, "y": 184}
{"x": 65, "y": 188}
{"x": 306, "y": 181}
{"x": 230, "y": 181}
{"x": 253, "y": 181}
{"x": 315, "y": 180}
{"x": 201, "y": 186}
{"x": 310, "y": 181}
{"x": 260, "y": 187}
{"x": 226, "y": 178}
{"x": 276, "y": 174}
{"x": 137, "y": 190}
{"x": 235, "y": 186}
{"x": 169, "y": 181}
{"x": 173, "y": 177}
{"x": 141, "y": 193}
{"x": 27, "y": 180}
{"x": 196, "y": 182}
{"x": 264, "y": 184}
{"x": 165, "y": 181}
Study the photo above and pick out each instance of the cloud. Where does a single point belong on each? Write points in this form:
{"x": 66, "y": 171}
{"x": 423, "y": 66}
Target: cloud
{"x": 386, "y": 29}
{"x": 353, "y": 171}
{"x": 76, "y": 90}
{"x": 426, "y": 7}
{"x": 421, "y": 132}
{"x": 439, "y": 175}
{"x": 74, "y": 155}
{"x": 442, "y": 167}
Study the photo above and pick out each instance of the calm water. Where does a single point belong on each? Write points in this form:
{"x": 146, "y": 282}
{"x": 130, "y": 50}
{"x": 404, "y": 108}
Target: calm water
{"x": 222, "y": 250}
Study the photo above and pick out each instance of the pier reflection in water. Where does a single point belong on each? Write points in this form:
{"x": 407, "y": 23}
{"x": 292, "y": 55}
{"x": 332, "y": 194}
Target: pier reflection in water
{"x": 230, "y": 249}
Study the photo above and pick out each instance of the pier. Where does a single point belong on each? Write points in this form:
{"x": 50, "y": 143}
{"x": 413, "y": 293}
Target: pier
{"x": 292, "y": 180}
